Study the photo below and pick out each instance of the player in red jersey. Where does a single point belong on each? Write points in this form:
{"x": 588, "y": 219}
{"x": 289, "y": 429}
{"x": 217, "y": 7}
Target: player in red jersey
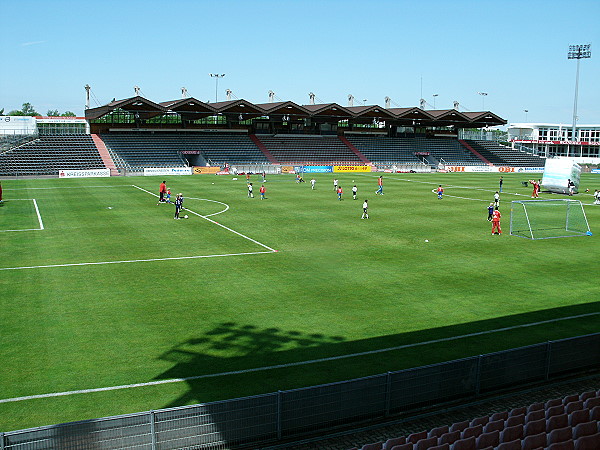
{"x": 440, "y": 192}
{"x": 339, "y": 192}
{"x": 262, "y": 191}
{"x": 496, "y": 222}
{"x": 536, "y": 188}
{"x": 162, "y": 190}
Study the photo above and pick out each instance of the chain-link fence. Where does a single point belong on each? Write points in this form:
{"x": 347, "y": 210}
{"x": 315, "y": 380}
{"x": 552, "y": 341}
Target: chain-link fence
{"x": 269, "y": 418}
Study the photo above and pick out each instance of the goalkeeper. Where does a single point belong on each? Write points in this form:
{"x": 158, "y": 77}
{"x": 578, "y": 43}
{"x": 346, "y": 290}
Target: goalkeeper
{"x": 496, "y": 222}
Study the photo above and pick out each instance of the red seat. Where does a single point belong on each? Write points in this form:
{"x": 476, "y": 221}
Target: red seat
{"x": 515, "y": 420}
{"x": 534, "y": 442}
{"x": 535, "y": 407}
{"x": 555, "y": 411}
{"x": 580, "y": 416}
{"x": 437, "y": 432}
{"x": 567, "y": 445}
{"x": 585, "y": 429}
{"x": 517, "y": 411}
{"x": 488, "y": 439}
{"x": 424, "y": 444}
{"x": 535, "y": 415}
{"x": 406, "y": 446}
{"x": 553, "y": 402}
{"x": 440, "y": 447}
{"x": 415, "y": 437}
{"x": 449, "y": 438}
{"x": 560, "y": 435}
{"x": 510, "y": 434}
{"x": 591, "y": 402}
{"x": 459, "y": 426}
{"x": 480, "y": 421}
{"x": 595, "y": 413}
{"x": 496, "y": 425}
{"x": 512, "y": 445}
{"x": 499, "y": 416}
{"x": 591, "y": 442}
{"x": 472, "y": 431}
{"x": 387, "y": 445}
{"x": 535, "y": 427}
{"x": 585, "y": 395}
{"x": 573, "y": 406}
{"x": 555, "y": 422}
{"x": 465, "y": 444}
{"x": 570, "y": 398}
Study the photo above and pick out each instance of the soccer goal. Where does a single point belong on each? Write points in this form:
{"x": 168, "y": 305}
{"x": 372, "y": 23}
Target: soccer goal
{"x": 544, "y": 219}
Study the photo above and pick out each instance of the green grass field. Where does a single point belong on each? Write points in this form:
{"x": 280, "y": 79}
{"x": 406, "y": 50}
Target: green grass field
{"x": 197, "y": 298}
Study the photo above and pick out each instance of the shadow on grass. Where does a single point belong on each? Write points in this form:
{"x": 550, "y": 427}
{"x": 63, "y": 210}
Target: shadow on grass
{"x": 232, "y": 347}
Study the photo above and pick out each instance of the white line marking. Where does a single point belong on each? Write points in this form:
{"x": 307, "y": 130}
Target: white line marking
{"x": 214, "y": 201}
{"x": 279, "y": 366}
{"x": 63, "y": 187}
{"x": 37, "y": 212}
{"x": 99, "y": 263}
{"x": 216, "y": 223}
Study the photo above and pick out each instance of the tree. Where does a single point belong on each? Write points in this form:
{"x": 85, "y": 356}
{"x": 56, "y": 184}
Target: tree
{"x": 68, "y": 114}
{"x": 26, "y": 110}
{"x": 2, "y": 112}
{"x": 53, "y": 113}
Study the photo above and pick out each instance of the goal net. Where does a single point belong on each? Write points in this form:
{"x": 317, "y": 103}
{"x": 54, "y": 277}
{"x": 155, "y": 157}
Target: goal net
{"x": 544, "y": 219}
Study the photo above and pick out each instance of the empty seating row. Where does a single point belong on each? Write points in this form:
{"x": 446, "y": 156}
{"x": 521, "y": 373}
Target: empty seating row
{"x": 47, "y": 155}
{"x": 378, "y": 149}
{"x": 572, "y": 422}
{"x": 504, "y": 156}
{"x": 316, "y": 149}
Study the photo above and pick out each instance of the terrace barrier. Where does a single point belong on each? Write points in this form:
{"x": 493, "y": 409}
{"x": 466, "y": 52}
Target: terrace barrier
{"x": 284, "y": 415}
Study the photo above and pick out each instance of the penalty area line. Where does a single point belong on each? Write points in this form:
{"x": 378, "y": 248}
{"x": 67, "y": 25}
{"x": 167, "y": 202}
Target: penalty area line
{"x": 299, "y": 363}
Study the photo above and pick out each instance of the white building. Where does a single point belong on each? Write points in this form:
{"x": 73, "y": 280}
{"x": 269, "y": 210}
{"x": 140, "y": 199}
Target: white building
{"x": 549, "y": 140}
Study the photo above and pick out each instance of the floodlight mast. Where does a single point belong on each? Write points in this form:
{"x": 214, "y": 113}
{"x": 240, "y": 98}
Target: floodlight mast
{"x": 216, "y": 76}
{"x": 578, "y": 52}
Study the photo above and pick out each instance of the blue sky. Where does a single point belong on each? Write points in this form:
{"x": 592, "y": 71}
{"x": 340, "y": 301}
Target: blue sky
{"x": 516, "y": 51}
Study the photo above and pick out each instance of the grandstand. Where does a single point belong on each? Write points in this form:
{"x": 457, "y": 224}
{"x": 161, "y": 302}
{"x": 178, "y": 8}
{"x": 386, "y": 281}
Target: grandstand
{"x": 309, "y": 149}
{"x": 46, "y": 155}
{"x": 505, "y": 156}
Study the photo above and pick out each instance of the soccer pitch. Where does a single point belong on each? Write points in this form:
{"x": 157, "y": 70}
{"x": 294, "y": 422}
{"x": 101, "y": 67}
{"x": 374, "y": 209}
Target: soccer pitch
{"x": 109, "y": 306}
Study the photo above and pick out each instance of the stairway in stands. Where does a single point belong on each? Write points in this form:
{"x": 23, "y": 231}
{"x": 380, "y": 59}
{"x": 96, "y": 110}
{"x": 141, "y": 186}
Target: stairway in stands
{"x": 106, "y": 158}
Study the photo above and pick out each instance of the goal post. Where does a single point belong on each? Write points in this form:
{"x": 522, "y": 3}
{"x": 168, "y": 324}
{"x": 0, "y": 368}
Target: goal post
{"x": 545, "y": 219}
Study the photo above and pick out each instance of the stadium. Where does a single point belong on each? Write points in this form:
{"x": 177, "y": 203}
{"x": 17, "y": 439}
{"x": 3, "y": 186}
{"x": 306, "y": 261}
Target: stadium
{"x": 284, "y": 322}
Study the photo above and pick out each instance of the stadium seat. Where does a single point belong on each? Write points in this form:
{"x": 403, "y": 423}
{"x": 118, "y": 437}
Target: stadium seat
{"x": 449, "y": 438}
{"x": 534, "y": 442}
{"x": 459, "y": 426}
{"x": 496, "y": 425}
{"x": 570, "y": 398}
{"x": 556, "y": 422}
{"x": 440, "y": 447}
{"x": 535, "y": 407}
{"x": 387, "y": 445}
{"x": 591, "y": 402}
{"x": 591, "y": 442}
{"x": 579, "y": 416}
{"x": 488, "y": 439}
{"x": 415, "y": 437}
{"x": 515, "y": 420}
{"x": 510, "y": 434}
{"x": 553, "y": 402}
{"x": 472, "y": 432}
{"x": 405, "y": 446}
{"x": 465, "y": 444}
{"x": 480, "y": 421}
{"x": 573, "y": 406}
{"x": 585, "y": 429}
{"x": 512, "y": 445}
{"x": 560, "y": 435}
{"x": 595, "y": 413}
{"x": 373, "y": 446}
{"x": 437, "y": 432}
{"x": 517, "y": 411}
{"x": 535, "y": 427}
{"x": 554, "y": 411}
{"x": 424, "y": 444}
{"x": 499, "y": 416}
{"x": 567, "y": 445}
{"x": 535, "y": 415}
{"x": 585, "y": 395}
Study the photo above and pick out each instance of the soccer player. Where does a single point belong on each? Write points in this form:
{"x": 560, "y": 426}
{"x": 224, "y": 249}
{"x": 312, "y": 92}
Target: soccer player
{"x": 262, "y": 191}
{"x": 596, "y": 196}
{"x": 490, "y": 212}
{"x": 365, "y": 214}
{"x": 496, "y": 201}
{"x": 380, "y": 184}
{"x": 335, "y": 184}
{"x": 496, "y": 222}
{"x": 168, "y": 200}
{"x": 312, "y": 183}
{"x": 536, "y": 188}
{"x": 162, "y": 191}
{"x": 178, "y": 203}
{"x": 339, "y": 193}
{"x": 354, "y": 191}
{"x": 440, "y": 192}
{"x": 501, "y": 181}
{"x": 0, "y": 191}
{"x": 250, "y": 193}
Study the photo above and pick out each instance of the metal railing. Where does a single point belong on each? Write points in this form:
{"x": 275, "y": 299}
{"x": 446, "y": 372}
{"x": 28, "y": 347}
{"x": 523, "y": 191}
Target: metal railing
{"x": 269, "y": 418}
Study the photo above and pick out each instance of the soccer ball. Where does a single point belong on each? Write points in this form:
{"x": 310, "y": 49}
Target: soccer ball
{"x": 186, "y": 217}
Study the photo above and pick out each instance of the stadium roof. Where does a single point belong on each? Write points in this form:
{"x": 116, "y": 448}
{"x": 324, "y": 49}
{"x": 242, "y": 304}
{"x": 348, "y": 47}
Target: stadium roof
{"x": 192, "y": 109}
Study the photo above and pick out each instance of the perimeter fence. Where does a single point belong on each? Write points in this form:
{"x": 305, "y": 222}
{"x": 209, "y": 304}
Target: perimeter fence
{"x": 270, "y": 418}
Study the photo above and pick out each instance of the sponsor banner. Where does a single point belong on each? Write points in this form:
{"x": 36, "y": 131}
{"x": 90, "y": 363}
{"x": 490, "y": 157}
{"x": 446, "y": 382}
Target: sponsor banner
{"x": 595, "y": 170}
{"x": 57, "y": 119}
{"x": 83, "y": 173}
{"x": 528, "y": 169}
{"x": 199, "y": 170}
{"x": 501, "y": 169}
{"x": 318, "y": 169}
{"x": 150, "y": 171}
{"x": 190, "y": 152}
{"x": 287, "y": 169}
{"x": 17, "y": 125}
{"x": 351, "y": 168}
{"x": 533, "y": 141}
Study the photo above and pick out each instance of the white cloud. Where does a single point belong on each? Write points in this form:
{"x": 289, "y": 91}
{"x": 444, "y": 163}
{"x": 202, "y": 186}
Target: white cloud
{"x": 26, "y": 44}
